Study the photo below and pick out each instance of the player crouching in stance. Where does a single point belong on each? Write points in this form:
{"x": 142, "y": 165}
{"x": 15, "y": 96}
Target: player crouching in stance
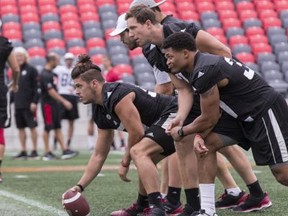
{"x": 127, "y": 107}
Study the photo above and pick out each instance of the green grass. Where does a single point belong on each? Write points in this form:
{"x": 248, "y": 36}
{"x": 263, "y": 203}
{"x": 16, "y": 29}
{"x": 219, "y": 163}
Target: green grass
{"x": 106, "y": 193}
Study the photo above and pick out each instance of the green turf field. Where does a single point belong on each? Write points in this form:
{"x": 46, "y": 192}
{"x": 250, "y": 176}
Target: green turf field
{"x": 39, "y": 193}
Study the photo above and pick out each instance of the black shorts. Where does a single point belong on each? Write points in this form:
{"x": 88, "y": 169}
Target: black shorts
{"x": 25, "y": 118}
{"x": 51, "y": 116}
{"x": 157, "y": 133}
{"x": 73, "y": 113}
{"x": 5, "y": 111}
{"x": 268, "y": 136}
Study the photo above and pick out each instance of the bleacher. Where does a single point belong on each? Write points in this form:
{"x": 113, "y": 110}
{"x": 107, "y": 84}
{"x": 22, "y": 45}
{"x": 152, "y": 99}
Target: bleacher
{"x": 255, "y": 30}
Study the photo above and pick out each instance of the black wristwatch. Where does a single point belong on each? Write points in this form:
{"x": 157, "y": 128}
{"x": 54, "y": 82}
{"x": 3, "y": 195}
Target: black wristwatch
{"x": 181, "y": 132}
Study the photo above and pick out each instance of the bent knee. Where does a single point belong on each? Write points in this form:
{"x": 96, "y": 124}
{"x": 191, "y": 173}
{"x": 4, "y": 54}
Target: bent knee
{"x": 281, "y": 175}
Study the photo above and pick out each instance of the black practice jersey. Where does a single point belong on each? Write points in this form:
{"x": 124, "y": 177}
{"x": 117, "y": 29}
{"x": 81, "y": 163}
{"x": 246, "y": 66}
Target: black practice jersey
{"x": 5, "y": 50}
{"x": 154, "y": 54}
{"x": 246, "y": 96}
{"x": 48, "y": 80}
{"x": 150, "y": 105}
{"x": 28, "y": 85}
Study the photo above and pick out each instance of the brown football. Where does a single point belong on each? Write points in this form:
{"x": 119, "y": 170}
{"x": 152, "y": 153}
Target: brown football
{"x": 75, "y": 204}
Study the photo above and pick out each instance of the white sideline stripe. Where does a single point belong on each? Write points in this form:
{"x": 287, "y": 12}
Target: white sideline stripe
{"x": 34, "y": 203}
{"x": 72, "y": 199}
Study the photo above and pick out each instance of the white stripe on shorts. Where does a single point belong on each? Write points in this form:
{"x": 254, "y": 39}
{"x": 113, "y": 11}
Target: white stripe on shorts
{"x": 7, "y": 122}
{"x": 168, "y": 120}
{"x": 279, "y": 136}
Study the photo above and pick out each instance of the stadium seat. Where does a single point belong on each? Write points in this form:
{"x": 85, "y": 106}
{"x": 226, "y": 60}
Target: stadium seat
{"x": 224, "y": 5}
{"x": 36, "y": 51}
{"x": 69, "y": 17}
{"x": 267, "y": 13}
{"x": 109, "y": 15}
{"x": 245, "y": 57}
{"x": 282, "y": 57}
{"x": 150, "y": 86}
{"x": 284, "y": 69}
{"x": 97, "y": 59}
{"x": 29, "y": 17}
{"x": 108, "y": 24}
{"x": 68, "y": 8}
{"x": 13, "y": 34}
{"x": 279, "y": 85}
{"x": 120, "y": 59}
{"x": 275, "y": 31}
{"x": 47, "y": 9}
{"x": 280, "y": 47}
{"x": 264, "y": 5}
{"x": 136, "y": 60}
{"x": 254, "y": 30}
{"x": 239, "y": 48}
{"x": 75, "y": 42}
{"x": 46, "y": 2}
{"x": 34, "y": 42}
{"x": 260, "y": 48}
{"x": 181, "y": 6}
{"x": 107, "y": 8}
{"x": 215, "y": 31}
{"x": 207, "y": 15}
{"x": 253, "y": 66}
{"x": 50, "y": 25}
{"x": 91, "y": 24}
{"x": 232, "y": 31}
{"x": 60, "y": 51}
{"x": 145, "y": 77}
{"x": 272, "y": 75}
{"x": 264, "y": 57}
{"x": 189, "y": 15}
{"x": 77, "y": 50}
{"x": 4, "y": 3}
{"x": 237, "y": 39}
{"x": 26, "y": 2}
{"x": 17, "y": 43}
{"x": 271, "y": 22}
{"x": 97, "y": 51}
{"x": 142, "y": 68}
{"x": 11, "y": 26}
{"x": 95, "y": 42}
{"x": 28, "y": 9}
{"x": 247, "y": 14}
{"x": 123, "y": 8}
{"x": 128, "y": 78}
{"x": 118, "y": 50}
{"x": 269, "y": 65}
{"x": 277, "y": 39}
{"x": 31, "y": 25}
{"x": 37, "y": 60}
{"x": 281, "y": 5}
{"x": 79, "y": 2}
{"x": 86, "y": 8}
{"x": 252, "y": 22}
{"x": 50, "y": 17}
{"x": 90, "y": 16}
{"x": 204, "y": 6}
{"x": 124, "y": 69}
{"x": 244, "y": 5}
{"x": 9, "y": 9}
{"x": 71, "y": 24}
{"x": 92, "y": 33}
{"x": 52, "y": 34}
{"x": 226, "y": 14}
{"x": 208, "y": 23}
{"x": 284, "y": 14}
{"x": 52, "y": 43}
{"x": 258, "y": 39}
{"x": 10, "y": 18}
{"x": 66, "y": 2}
{"x": 72, "y": 33}
{"x": 135, "y": 52}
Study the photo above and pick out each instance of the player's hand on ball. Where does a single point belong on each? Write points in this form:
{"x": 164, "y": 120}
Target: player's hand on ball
{"x": 75, "y": 204}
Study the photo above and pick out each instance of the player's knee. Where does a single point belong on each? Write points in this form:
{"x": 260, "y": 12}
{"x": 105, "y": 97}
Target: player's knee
{"x": 136, "y": 153}
{"x": 281, "y": 175}
{"x": 2, "y": 140}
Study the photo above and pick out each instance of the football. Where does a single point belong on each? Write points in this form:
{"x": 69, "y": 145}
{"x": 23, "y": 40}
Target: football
{"x": 75, "y": 204}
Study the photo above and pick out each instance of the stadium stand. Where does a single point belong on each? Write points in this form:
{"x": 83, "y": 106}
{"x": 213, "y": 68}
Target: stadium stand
{"x": 256, "y": 31}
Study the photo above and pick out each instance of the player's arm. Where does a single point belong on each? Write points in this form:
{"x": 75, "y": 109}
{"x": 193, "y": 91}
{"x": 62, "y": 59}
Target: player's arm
{"x": 54, "y": 94}
{"x": 210, "y": 113}
{"x": 165, "y": 88}
{"x": 205, "y": 42}
{"x": 185, "y": 100}
{"x": 130, "y": 118}
{"x": 15, "y": 71}
{"x": 98, "y": 157}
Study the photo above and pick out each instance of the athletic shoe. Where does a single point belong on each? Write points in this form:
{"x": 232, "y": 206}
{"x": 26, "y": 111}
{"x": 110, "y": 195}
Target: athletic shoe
{"x": 49, "y": 156}
{"x": 21, "y": 155}
{"x": 34, "y": 155}
{"x": 172, "y": 210}
{"x": 68, "y": 154}
{"x": 254, "y": 204}
{"x": 187, "y": 210}
{"x": 153, "y": 211}
{"x": 227, "y": 201}
{"x": 202, "y": 213}
{"x": 133, "y": 210}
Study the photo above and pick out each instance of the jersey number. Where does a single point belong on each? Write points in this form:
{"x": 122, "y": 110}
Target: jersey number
{"x": 248, "y": 72}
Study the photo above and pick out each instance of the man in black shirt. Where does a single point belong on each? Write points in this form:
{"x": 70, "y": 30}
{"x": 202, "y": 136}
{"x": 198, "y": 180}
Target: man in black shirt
{"x": 6, "y": 55}
{"x": 50, "y": 108}
{"x": 257, "y": 114}
{"x": 145, "y": 28}
{"x": 26, "y": 99}
{"x": 123, "y": 106}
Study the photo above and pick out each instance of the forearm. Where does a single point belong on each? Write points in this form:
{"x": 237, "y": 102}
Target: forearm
{"x": 14, "y": 67}
{"x": 56, "y": 96}
{"x": 185, "y": 102}
{"x": 92, "y": 170}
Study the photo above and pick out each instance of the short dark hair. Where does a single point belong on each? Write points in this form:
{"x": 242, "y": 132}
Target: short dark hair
{"x": 179, "y": 41}
{"x": 141, "y": 13}
{"x": 86, "y": 70}
{"x": 51, "y": 57}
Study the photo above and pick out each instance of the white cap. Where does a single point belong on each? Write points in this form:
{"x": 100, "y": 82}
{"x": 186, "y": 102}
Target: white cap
{"x": 148, "y": 3}
{"x": 69, "y": 56}
{"x": 121, "y": 25}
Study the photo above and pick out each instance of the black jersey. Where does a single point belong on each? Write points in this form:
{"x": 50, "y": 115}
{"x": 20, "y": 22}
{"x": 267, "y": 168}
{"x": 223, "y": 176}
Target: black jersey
{"x": 48, "y": 80}
{"x": 5, "y": 50}
{"x": 28, "y": 85}
{"x": 154, "y": 54}
{"x": 246, "y": 96}
{"x": 150, "y": 105}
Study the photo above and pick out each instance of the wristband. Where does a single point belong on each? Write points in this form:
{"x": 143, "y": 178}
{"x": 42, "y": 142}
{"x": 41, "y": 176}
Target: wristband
{"x": 81, "y": 187}
{"x": 199, "y": 135}
{"x": 181, "y": 132}
{"x": 123, "y": 164}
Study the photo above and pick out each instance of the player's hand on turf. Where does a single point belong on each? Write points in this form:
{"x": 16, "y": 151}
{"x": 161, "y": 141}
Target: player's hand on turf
{"x": 174, "y": 123}
{"x": 67, "y": 105}
{"x": 122, "y": 172}
{"x": 199, "y": 146}
{"x": 174, "y": 134}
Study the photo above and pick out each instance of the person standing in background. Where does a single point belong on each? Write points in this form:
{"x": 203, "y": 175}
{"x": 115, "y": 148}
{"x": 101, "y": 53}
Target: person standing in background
{"x": 25, "y": 100}
{"x": 50, "y": 108}
{"x": 6, "y": 55}
{"x": 66, "y": 90}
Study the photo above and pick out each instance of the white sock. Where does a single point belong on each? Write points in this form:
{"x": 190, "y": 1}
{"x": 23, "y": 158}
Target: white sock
{"x": 91, "y": 142}
{"x": 234, "y": 191}
{"x": 207, "y": 198}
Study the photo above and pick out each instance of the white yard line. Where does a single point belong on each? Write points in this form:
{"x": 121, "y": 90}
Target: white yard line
{"x": 50, "y": 209}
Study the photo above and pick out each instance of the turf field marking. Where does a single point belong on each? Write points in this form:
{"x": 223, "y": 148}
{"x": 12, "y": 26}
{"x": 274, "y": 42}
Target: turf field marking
{"x": 50, "y": 209}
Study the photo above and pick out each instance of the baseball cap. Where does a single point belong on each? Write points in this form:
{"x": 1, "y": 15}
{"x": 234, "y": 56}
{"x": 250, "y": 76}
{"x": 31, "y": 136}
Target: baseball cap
{"x": 120, "y": 27}
{"x": 69, "y": 56}
{"x": 148, "y": 3}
